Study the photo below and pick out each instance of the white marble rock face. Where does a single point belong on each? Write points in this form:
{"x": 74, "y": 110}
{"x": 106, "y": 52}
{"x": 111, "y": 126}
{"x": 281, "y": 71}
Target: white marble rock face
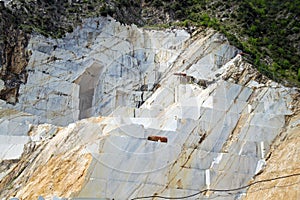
{"x": 218, "y": 132}
{"x": 96, "y": 69}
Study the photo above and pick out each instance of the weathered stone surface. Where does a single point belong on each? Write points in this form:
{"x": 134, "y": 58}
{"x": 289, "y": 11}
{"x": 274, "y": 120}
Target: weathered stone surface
{"x": 218, "y": 121}
{"x": 2, "y": 85}
{"x": 283, "y": 161}
{"x": 14, "y": 128}
{"x": 13, "y": 61}
{"x": 95, "y": 69}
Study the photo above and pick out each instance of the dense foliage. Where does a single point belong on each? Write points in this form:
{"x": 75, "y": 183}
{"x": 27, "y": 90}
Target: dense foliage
{"x": 56, "y": 17}
{"x": 268, "y": 31}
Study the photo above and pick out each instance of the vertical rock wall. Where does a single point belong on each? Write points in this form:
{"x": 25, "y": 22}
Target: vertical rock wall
{"x": 213, "y": 115}
{"x": 77, "y": 76}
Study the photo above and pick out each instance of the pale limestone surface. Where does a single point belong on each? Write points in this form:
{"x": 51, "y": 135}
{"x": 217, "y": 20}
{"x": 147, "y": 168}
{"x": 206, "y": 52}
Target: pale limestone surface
{"x": 283, "y": 161}
{"x": 14, "y": 128}
{"x": 95, "y": 69}
{"x": 219, "y": 130}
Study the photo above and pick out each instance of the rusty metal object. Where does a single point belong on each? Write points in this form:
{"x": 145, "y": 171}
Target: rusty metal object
{"x": 158, "y": 138}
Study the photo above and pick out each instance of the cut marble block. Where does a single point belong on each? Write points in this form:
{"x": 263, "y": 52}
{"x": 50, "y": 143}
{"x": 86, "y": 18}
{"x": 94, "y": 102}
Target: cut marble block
{"x": 146, "y": 84}
{"x": 11, "y": 151}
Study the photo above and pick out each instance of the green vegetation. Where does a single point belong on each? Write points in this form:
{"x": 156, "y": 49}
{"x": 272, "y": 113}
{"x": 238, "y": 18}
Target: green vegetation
{"x": 55, "y": 18}
{"x": 269, "y": 31}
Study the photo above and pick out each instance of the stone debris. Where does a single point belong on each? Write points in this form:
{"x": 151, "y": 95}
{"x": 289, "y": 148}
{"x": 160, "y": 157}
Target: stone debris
{"x": 213, "y": 123}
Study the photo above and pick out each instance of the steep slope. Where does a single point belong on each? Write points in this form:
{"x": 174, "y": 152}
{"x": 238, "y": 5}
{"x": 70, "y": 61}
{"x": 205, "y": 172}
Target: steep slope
{"x": 283, "y": 161}
{"x": 180, "y": 114}
{"x": 267, "y": 30}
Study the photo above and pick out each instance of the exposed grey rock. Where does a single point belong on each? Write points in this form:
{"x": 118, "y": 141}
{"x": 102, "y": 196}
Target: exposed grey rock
{"x": 41, "y": 198}
{"x": 2, "y": 86}
{"x": 218, "y": 124}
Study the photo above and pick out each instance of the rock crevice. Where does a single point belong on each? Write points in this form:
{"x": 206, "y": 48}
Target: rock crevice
{"x": 218, "y": 116}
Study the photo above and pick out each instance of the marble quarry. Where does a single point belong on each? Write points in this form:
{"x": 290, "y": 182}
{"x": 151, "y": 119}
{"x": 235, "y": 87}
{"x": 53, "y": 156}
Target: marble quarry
{"x": 114, "y": 111}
